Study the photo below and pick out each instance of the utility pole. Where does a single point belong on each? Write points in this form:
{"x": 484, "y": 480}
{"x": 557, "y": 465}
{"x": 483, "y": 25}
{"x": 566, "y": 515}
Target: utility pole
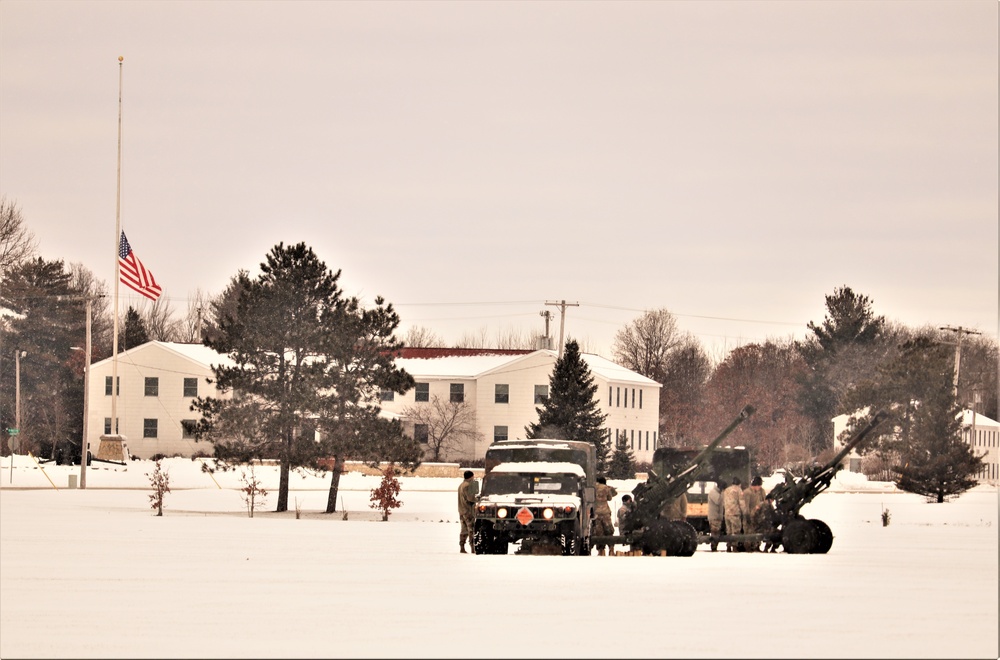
{"x": 547, "y": 315}
{"x": 960, "y": 331}
{"x": 562, "y": 305}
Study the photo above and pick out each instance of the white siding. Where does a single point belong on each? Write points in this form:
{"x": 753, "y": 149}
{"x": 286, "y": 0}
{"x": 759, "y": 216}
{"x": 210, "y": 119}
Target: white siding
{"x": 168, "y": 408}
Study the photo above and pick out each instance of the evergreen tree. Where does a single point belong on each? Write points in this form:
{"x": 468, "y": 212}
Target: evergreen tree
{"x": 916, "y": 388}
{"x": 134, "y": 333}
{"x": 49, "y": 318}
{"x": 571, "y": 411}
{"x": 622, "y": 465}
{"x": 838, "y": 354}
{"x": 306, "y": 359}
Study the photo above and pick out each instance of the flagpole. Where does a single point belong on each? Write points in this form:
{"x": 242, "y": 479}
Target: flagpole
{"x": 118, "y": 233}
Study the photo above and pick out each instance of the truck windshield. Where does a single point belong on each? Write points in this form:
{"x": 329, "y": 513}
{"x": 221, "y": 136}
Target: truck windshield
{"x": 507, "y": 483}
{"x": 497, "y": 455}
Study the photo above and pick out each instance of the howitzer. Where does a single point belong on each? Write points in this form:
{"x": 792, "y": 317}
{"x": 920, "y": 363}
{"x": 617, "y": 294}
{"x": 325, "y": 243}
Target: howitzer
{"x": 794, "y": 532}
{"x": 643, "y": 528}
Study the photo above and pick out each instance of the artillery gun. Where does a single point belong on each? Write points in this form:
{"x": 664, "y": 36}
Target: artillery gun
{"x": 643, "y": 529}
{"x": 797, "y": 534}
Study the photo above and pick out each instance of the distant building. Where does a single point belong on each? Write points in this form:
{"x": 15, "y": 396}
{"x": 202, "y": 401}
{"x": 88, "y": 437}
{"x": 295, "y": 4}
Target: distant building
{"x": 157, "y": 383}
{"x": 981, "y": 432}
{"x": 159, "y": 380}
{"x": 506, "y": 386}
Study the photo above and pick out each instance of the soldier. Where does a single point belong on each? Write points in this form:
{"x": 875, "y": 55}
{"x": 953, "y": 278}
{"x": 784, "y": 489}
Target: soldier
{"x": 602, "y": 513}
{"x": 753, "y": 500}
{"x": 716, "y": 512}
{"x": 732, "y": 500}
{"x": 675, "y": 509}
{"x": 467, "y": 492}
{"x": 624, "y": 511}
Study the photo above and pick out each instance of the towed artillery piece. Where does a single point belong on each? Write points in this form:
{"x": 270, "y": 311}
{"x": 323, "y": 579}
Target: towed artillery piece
{"x": 789, "y": 528}
{"x": 643, "y": 529}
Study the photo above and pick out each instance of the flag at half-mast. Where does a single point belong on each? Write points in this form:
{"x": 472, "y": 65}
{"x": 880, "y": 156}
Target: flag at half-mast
{"x": 133, "y": 274}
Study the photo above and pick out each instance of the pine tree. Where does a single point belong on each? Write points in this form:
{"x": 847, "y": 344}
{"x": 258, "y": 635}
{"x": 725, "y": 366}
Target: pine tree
{"x": 622, "y": 465}
{"x": 135, "y": 333}
{"x": 571, "y": 411}
{"x": 305, "y": 359}
{"x": 916, "y": 387}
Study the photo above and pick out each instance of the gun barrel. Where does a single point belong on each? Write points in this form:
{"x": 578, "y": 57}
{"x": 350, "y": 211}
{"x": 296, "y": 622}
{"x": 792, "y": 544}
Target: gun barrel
{"x": 859, "y": 436}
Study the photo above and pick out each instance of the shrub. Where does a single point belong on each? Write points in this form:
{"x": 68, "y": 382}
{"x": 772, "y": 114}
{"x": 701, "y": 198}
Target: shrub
{"x": 160, "y": 481}
{"x": 383, "y": 498}
{"x": 252, "y": 490}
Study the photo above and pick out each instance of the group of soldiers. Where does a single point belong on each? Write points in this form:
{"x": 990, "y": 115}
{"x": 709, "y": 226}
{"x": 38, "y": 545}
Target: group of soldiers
{"x": 735, "y": 510}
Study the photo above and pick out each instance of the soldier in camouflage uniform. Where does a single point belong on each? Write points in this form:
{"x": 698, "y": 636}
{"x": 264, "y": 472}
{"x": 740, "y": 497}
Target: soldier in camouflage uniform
{"x": 602, "y": 512}
{"x": 732, "y": 500}
{"x": 716, "y": 512}
{"x": 753, "y": 500}
{"x": 467, "y": 492}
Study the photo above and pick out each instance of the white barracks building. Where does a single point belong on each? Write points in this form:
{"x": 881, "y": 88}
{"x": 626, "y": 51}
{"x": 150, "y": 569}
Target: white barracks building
{"x": 506, "y": 386}
{"x": 159, "y": 380}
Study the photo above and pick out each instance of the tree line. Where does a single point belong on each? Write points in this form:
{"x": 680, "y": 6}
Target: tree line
{"x": 311, "y": 362}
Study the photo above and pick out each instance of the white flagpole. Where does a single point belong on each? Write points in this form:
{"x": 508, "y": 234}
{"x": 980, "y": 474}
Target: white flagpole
{"x": 118, "y": 234}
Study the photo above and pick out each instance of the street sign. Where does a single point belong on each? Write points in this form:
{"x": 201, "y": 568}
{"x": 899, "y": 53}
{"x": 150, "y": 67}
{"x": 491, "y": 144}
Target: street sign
{"x": 13, "y": 431}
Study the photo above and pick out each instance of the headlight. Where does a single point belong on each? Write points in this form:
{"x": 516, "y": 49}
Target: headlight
{"x": 548, "y": 513}
{"x": 501, "y": 513}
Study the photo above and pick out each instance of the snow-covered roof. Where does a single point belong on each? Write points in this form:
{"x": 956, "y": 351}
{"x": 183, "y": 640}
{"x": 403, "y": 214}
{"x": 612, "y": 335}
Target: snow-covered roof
{"x": 548, "y": 467}
{"x": 198, "y": 353}
{"x": 473, "y": 366}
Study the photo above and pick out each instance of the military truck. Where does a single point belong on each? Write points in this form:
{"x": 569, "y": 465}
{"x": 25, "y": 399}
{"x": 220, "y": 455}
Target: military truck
{"x": 537, "y": 493}
{"x": 723, "y": 463}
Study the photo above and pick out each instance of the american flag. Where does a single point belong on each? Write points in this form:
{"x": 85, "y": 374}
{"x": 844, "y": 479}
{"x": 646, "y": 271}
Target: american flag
{"x": 133, "y": 274}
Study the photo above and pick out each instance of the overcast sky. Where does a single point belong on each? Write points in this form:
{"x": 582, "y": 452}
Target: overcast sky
{"x": 733, "y": 162}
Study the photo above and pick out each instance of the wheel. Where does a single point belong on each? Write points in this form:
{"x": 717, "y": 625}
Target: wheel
{"x": 571, "y": 541}
{"x": 663, "y": 537}
{"x": 688, "y": 537}
{"x": 799, "y": 537}
{"x": 824, "y": 537}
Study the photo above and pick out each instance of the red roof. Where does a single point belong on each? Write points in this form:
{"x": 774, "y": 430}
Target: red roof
{"x": 411, "y": 352}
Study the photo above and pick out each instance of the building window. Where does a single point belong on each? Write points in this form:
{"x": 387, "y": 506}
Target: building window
{"x": 387, "y": 395}
{"x": 457, "y": 392}
{"x": 626, "y": 397}
{"x": 633, "y": 397}
{"x": 501, "y": 394}
{"x": 541, "y": 393}
{"x": 618, "y": 397}
{"x": 190, "y": 387}
{"x": 611, "y": 396}
{"x": 107, "y": 385}
{"x": 423, "y": 392}
{"x": 640, "y": 402}
{"x": 149, "y": 428}
{"x": 499, "y": 433}
{"x": 420, "y": 433}
{"x": 107, "y": 426}
{"x": 632, "y": 434}
{"x": 185, "y": 425}
{"x": 152, "y": 388}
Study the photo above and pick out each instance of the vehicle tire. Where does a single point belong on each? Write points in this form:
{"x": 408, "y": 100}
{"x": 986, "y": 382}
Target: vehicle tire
{"x": 662, "y": 537}
{"x": 688, "y": 537}
{"x": 799, "y": 537}
{"x": 824, "y": 537}
{"x": 569, "y": 539}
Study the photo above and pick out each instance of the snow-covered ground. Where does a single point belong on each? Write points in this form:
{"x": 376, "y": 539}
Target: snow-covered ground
{"x": 94, "y": 573}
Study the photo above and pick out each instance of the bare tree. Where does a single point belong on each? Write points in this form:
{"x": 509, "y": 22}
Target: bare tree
{"x": 191, "y": 328}
{"x": 101, "y": 321}
{"x": 17, "y": 243}
{"x": 645, "y": 344}
{"x": 476, "y": 339}
{"x": 160, "y": 323}
{"x": 449, "y": 425}
{"x": 420, "y": 337}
